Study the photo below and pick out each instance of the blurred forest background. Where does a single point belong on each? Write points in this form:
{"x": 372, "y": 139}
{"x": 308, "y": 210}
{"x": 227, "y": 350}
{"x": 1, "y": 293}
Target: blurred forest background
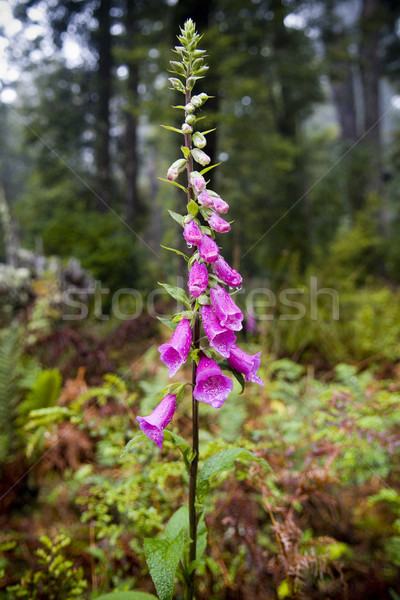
{"x": 306, "y": 105}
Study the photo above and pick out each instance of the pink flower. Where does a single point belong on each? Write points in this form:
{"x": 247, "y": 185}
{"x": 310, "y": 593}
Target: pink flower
{"x": 245, "y": 363}
{"x": 219, "y": 337}
{"x": 211, "y": 386}
{"x": 229, "y": 315}
{"x": 153, "y": 425}
{"x": 220, "y": 205}
{"x": 198, "y": 182}
{"x": 192, "y": 233}
{"x": 218, "y": 223}
{"x": 175, "y": 353}
{"x": 205, "y": 199}
{"x": 208, "y": 249}
{"x": 226, "y": 273}
{"x": 198, "y": 279}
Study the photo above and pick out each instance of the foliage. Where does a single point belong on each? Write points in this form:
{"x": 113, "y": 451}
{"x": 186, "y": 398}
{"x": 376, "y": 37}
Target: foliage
{"x": 54, "y": 577}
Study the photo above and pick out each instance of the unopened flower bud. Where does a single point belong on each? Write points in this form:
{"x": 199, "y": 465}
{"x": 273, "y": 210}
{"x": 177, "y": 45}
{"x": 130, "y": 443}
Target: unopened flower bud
{"x": 190, "y": 119}
{"x": 176, "y": 84}
{"x": 205, "y": 199}
{"x": 218, "y": 223}
{"x": 176, "y": 168}
{"x": 199, "y": 140}
{"x": 220, "y": 205}
{"x": 189, "y": 108}
{"x": 198, "y": 182}
{"x": 190, "y": 83}
{"x": 200, "y": 157}
{"x": 198, "y": 101}
{"x": 186, "y": 128}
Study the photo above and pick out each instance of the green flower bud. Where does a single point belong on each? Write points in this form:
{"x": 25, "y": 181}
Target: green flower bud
{"x": 189, "y": 108}
{"x": 190, "y": 83}
{"x": 177, "y": 84}
{"x": 199, "y": 140}
{"x": 190, "y": 119}
{"x": 186, "y": 128}
{"x": 200, "y": 157}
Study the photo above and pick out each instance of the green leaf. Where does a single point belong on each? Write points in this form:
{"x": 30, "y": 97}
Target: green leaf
{"x": 176, "y": 251}
{"x": 133, "y": 442}
{"x": 177, "y": 217}
{"x": 170, "y": 324}
{"x": 208, "y": 130}
{"x": 222, "y": 461}
{"x": 177, "y": 523}
{"x": 185, "y": 151}
{"x": 179, "y": 106}
{"x": 171, "y": 128}
{"x": 162, "y": 557}
{"x": 176, "y": 293}
{"x": 178, "y": 441}
{"x": 209, "y": 168}
{"x": 127, "y": 596}
{"x": 174, "y": 183}
{"x": 193, "y": 208}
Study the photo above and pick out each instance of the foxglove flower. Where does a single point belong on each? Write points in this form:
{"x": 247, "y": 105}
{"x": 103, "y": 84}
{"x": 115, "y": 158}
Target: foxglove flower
{"x": 200, "y": 157}
{"x": 220, "y": 338}
{"x": 198, "y": 182}
{"x": 192, "y": 233}
{"x": 211, "y": 386}
{"x": 205, "y": 199}
{"x": 245, "y": 363}
{"x": 174, "y": 354}
{"x": 176, "y": 168}
{"x": 153, "y": 425}
{"x": 218, "y": 223}
{"x": 198, "y": 279}
{"x": 220, "y": 205}
{"x": 229, "y": 315}
{"x": 226, "y": 273}
{"x": 208, "y": 249}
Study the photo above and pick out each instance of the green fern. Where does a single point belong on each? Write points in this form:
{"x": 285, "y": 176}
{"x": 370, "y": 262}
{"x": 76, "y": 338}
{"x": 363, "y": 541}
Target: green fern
{"x": 10, "y": 353}
{"x": 43, "y": 394}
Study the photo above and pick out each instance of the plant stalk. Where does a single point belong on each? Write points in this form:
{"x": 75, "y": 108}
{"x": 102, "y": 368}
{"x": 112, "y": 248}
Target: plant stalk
{"x": 195, "y": 411}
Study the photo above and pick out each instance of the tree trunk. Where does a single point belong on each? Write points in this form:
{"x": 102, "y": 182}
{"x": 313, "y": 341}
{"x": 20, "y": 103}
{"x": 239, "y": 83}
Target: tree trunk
{"x": 131, "y": 121}
{"x": 370, "y": 73}
{"x": 104, "y": 89}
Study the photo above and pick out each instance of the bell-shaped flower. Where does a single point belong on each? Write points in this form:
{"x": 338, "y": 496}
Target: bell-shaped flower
{"x": 226, "y": 273}
{"x": 192, "y": 233}
{"x": 174, "y": 354}
{"x": 211, "y": 386}
{"x": 208, "y": 249}
{"x": 220, "y": 205}
{"x": 220, "y": 338}
{"x": 205, "y": 199}
{"x": 198, "y": 279}
{"x": 200, "y": 157}
{"x": 197, "y": 181}
{"x": 229, "y": 315}
{"x": 218, "y": 223}
{"x": 245, "y": 363}
{"x": 153, "y": 425}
